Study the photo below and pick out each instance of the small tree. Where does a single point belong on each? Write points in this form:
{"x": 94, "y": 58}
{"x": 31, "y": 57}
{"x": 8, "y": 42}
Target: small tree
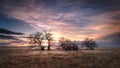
{"x": 89, "y": 43}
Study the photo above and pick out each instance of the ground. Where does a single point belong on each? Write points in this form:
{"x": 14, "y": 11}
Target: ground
{"x": 23, "y": 57}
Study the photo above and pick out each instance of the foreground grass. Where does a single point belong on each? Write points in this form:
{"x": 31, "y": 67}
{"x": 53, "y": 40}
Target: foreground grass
{"x": 24, "y": 58}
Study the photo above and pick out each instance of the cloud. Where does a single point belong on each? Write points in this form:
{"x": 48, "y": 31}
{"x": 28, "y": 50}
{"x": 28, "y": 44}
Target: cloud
{"x": 72, "y": 19}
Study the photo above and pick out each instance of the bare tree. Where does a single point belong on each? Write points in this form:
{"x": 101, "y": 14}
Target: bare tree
{"x": 48, "y": 36}
{"x": 36, "y": 38}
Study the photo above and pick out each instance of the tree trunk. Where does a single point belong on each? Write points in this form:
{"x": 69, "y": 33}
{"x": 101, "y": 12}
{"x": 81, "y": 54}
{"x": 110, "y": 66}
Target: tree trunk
{"x": 48, "y": 45}
{"x": 42, "y": 48}
{"x": 40, "y": 42}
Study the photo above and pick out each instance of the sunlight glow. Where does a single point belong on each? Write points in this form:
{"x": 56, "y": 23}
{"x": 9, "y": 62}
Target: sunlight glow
{"x": 56, "y": 36}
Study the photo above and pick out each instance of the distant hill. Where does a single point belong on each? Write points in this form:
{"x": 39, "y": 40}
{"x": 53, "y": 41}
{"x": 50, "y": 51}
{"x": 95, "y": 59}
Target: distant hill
{"x": 5, "y": 31}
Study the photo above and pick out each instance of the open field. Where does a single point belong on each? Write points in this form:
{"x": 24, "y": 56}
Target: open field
{"x": 23, "y": 57}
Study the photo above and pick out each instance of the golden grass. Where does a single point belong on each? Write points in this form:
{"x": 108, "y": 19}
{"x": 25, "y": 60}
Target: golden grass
{"x": 18, "y": 57}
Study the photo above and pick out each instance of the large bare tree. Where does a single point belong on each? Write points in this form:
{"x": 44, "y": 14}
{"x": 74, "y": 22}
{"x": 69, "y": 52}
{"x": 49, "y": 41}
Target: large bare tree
{"x": 36, "y": 38}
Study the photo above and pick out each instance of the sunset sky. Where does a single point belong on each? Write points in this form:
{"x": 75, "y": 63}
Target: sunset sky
{"x": 73, "y": 19}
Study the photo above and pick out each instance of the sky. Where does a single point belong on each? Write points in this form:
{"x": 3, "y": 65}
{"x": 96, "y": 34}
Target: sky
{"x": 73, "y": 19}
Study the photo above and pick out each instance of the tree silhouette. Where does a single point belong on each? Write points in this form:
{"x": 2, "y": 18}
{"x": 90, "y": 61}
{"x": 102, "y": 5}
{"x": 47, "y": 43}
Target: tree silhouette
{"x": 89, "y": 43}
{"x": 48, "y": 36}
{"x": 92, "y": 44}
{"x": 36, "y": 39}
{"x": 39, "y": 38}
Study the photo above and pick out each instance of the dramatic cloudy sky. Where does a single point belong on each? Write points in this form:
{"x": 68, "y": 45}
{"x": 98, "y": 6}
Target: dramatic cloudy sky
{"x": 74, "y": 19}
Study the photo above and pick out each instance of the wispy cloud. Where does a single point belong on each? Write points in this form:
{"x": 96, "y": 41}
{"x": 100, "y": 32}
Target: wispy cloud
{"x": 71, "y": 19}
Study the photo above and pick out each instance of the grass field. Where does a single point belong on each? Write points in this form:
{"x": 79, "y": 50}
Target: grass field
{"x": 23, "y": 57}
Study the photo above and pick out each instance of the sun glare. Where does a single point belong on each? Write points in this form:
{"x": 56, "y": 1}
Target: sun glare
{"x": 56, "y": 36}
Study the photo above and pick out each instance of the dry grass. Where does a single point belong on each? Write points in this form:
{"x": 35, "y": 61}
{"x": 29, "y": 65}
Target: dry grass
{"x": 18, "y": 57}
